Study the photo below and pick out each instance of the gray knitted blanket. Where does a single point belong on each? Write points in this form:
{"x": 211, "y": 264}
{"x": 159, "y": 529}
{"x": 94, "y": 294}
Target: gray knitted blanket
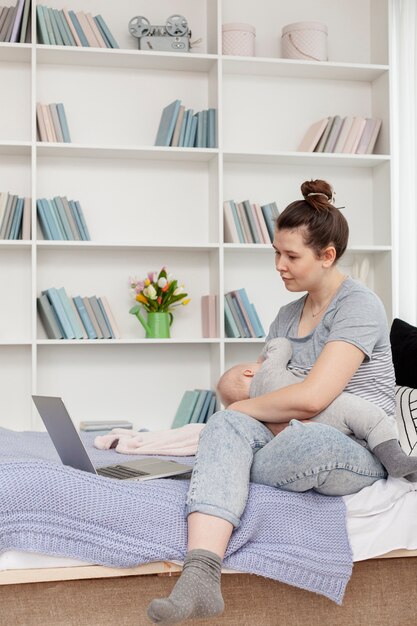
{"x": 300, "y": 539}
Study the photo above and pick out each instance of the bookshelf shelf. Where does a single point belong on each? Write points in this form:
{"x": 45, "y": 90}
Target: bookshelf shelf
{"x": 149, "y": 206}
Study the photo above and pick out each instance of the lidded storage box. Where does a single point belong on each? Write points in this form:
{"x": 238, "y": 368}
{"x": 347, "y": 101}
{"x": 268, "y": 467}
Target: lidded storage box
{"x": 305, "y": 40}
{"x": 238, "y": 39}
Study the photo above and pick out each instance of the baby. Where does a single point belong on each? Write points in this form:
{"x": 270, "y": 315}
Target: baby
{"x": 349, "y": 413}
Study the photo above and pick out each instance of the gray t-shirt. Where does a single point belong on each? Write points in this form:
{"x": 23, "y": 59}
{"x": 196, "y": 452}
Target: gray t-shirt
{"x": 355, "y": 315}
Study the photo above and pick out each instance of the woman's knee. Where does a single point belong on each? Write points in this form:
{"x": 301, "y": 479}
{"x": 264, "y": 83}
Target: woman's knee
{"x": 225, "y": 421}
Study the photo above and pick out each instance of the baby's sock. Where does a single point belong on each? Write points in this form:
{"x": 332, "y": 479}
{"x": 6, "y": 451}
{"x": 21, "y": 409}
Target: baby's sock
{"x": 395, "y": 460}
{"x": 196, "y": 594}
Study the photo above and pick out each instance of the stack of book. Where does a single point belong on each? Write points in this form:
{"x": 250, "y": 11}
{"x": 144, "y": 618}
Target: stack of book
{"x": 15, "y": 22}
{"x": 76, "y": 318}
{"x": 62, "y": 219}
{"x": 51, "y": 123}
{"x": 249, "y": 222}
{"x": 196, "y": 407}
{"x": 14, "y": 216}
{"x": 240, "y": 316}
{"x": 183, "y": 128}
{"x": 351, "y": 135}
{"x": 67, "y": 28}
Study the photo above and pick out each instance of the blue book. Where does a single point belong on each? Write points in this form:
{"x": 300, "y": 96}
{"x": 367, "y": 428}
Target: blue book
{"x": 237, "y": 221}
{"x": 106, "y": 319}
{"x": 190, "y": 113}
{"x": 80, "y": 32}
{"x": 58, "y": 39}
{"x": 74, "y": 321}
{"x": 63, "y": 122}
{"x": 167, "y": 123}
{"x": 47, "y": 233}
{"x": 43, "y": 36}
{"x": 80, "y": 214}
{"x": 52, "y": 219}
{"x": 65, "y": 324}
{"x": 269, "y": 220}
{"x": 202, "y": 393}
{"x": 212, "y": 407}
{"x": 252, "y": 221}
{"x": 102, "y": 33}
{"x": 105, "y": 29}
{"x": 62, "y": 216}
{"x": 212, "y": 128}
{"x": 204, "y": 409}
{"x": 230, "y": 325}
{"x": 258, "y": 322}
{"x": 85, "y": 318}
{"x": 235, "y": 304}
{"x": 76, "y": 218}
{"x": 205, "y": 128}
{"x": 48, "y": 22}
{"x": 182, "y": 129}
{"x": 17, "y": 219}
{"x": 193, "y": 132}
{"x": 99, "y": 317}
{"x": 185, "y": 409}
{"x": 249, "y": 310}
{"x": 64, "y": 29}
{"x": 199, "y": 143}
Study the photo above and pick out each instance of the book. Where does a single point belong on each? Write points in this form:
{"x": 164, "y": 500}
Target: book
{"x": 97, "y": 34}
{"x": 10, "y": 26}
{"x": 16, "y": 222}
{"x": 85, "y": 318}
{"x": 230, "y": 325}
{"x": 374, "y": 136}
{"x": 334, "y": 134}
{"x": 256, "y": 236}
{"x": 80, "y": 219}
{"x": 55, "y": 28}
{"x": 242, "y": 319}
{"x": 259, "y": 327}
{"x": 96, "y": 425}
{"x": 78, "y": 318}
{"x": 205, "y": 128}
{"x": 344, "y": 132}
{"x": 185, "y": 409}
{"x": 237, "y": 221}
{"x": 205, "y": 408}
{"x": 238, "y": 301}
{"x": 85, "y": 25}
{"x": 15, "y": 34}
{"x": 269, "y": 220}
{"x": 193, "y": 132}
{"x": 73, "y": 319}
{"x": 71, "y": 220}
{"x": 48, "y": 318}
{"x": 249, "y": 308}
{"x": 209, "y": 315}
{"x": 110, "y": 316}
{"x": 325, "y": 135}
{"x": 52, "y": 218}
{"x": 11, "y": 207}
{"x": 25, "y": 21}
{"x": 63, "y": 122}
{"x": 99, "y": 317}
{"x": 41, "y": 122}
{"x": 243, "y": 218}
{"x": 3, "y": 204}
{"x": 355, "y": 131}
{"x": 9, "y": 15}
{"x": 44, "y": 224}
{"x": 261, "y": 223}
{"x": 71, "y": 26}
{"x": 49, "y": 27}
{"x": 59, "y": 208}
{"x": 105, "y": 29}
{"x": 50, "y": 132}
{"x": 177, "y": 129}
{"x": 106, "y": 319}
{"x": 312, "y": 136}
{"x": 186, "y": 142}
{"x": 64, "y": 323}
{"x": 238, "y": 319}
{"x": 199, "y": 143}
{"x": 202, "y": 395}
{"x": 93, "y": 318}
{"x": 183, "y": 127}
{"x": 212, "y": 128}
{"x": 81, "y": 35}
{"x": 167, "y": 123}
{"x": 55, "y": 120}
{"x": 212, "y": 407}
{"x": 64, "y": 29}
{"x": 231, "y": 234}
{"x": 27, "y": 219}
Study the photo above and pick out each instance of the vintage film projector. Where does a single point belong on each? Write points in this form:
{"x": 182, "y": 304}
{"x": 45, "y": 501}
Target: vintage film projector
{"x": 173, "y": 36}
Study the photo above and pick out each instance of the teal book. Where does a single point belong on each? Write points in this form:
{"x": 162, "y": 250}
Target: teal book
{"x": 258, "y": 322}
{"x": 237, "y": 221}
{"x": 64, "y": 322}
{"x": 190, "y": 114}
{"x": 212, "y": 407}
{"x": 70, "y": 217}
{"x": 64, "y": 28}
{"x": 269, "y": 220}
{"x": 185, "y": 409}
{"x": 236, "y": 307}
{"x": 259, "y": 332}
{"x": 182, "y": 130}
{"x": 48, "y": 318}
{"x": 85, "y": 318}
{"x": 58, "y": 39}
{"x": 205, "y": 129}
{"x": 43, "y": 36}
{"x": 106, "y": 319}
{"x": 99, "y": 317}
{"x": 48, "y": 22}
{"x": 63, "y": 219}
{"x": 199, "y": 143}
{"x": 25, "y": 21}
{"x": 235, "y": 315}
{"x": 102, "y": 33}
{"x": 63, "y": 122}
{"x": 77, "y": 211}
{"x": 105, "y": 29}
{"x": 202, "y": 394}
{"x": 230, "y": 325}
{"x": 167, "y": 123}
{"x": 47, "y": 233}
{"x": 252, "y": 221}
{"x": 17, "y": 220}
{"x": 10, "y": 217}
{"x": 53, "y": 221}
{"x": 193, "y": 132}
{"x": 204, "y": 409}
{"x": 80, "y": 32}
{"x": 78, "y": 331}
{"x": 212, "y": 128}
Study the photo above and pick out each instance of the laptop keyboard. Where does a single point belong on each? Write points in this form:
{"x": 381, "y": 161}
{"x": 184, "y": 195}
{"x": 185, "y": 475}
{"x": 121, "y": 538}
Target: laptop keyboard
{"x": 121, "y": 472}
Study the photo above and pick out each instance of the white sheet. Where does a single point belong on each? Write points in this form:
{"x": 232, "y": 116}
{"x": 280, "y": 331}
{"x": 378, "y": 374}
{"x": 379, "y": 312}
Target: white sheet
{"x": 380, "y": 518}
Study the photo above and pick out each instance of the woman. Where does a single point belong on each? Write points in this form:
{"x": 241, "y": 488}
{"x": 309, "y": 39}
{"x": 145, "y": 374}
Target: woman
{"x": 340, "y": 340}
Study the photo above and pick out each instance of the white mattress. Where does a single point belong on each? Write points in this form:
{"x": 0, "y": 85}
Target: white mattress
{"x": 380, "y": 518}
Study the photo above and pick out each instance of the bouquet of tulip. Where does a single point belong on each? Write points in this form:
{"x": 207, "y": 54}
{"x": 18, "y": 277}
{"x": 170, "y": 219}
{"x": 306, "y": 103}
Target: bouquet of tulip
{"x": 158, "y": 293}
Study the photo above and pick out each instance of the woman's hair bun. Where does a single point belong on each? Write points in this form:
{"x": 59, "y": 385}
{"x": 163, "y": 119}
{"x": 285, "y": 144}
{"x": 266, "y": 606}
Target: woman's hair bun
{"x": 320, "y": 190}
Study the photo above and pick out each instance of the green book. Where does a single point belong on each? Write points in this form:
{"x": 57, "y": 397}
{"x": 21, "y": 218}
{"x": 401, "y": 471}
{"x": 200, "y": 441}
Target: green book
{"x": 185, "y": 409}
{"x": 202, "y": 395}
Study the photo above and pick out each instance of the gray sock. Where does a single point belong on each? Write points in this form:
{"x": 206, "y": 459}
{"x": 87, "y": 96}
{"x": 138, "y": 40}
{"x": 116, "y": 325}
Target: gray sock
{"x": 196, "y": 594}
{"x": 395, "y": 460}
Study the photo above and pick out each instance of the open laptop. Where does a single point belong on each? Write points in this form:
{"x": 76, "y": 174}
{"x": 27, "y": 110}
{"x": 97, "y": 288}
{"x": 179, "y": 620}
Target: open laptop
{"x": 72, "y": 452}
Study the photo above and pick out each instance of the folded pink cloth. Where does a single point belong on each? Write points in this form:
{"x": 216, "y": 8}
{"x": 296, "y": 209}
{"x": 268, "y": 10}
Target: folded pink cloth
{"x": 176, "y": 442}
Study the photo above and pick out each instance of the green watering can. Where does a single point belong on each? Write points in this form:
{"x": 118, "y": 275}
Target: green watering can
{"x": 157, "y": 324}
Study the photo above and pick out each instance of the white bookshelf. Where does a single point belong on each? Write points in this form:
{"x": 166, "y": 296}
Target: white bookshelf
{"x": 147, "y": 206}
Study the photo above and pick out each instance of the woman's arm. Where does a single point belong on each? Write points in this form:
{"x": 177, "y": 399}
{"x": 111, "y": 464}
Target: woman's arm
{"x": 328, "y": 377}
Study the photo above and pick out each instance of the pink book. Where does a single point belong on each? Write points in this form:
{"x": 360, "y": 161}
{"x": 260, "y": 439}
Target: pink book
{"x": 344, "y": 131}
{"x": 26, "y": 221}
{"x": 41, "y": 122}
{"x": 261, "y": 222}
{"x": 96, "y": 31}
{"x": 110, "y": 315}
{"x": 88, "y": 32}
{"x": 209, "y": 316}
{"x": 230, "y": 230}
{"x": 72, "y": 27}
{"x": 236, "y": 295}
{"x": 50, "y": 131}
{"x": 355, "y": 132}
{"x": 374, "y": 136}
{"x": 312, "y": 136}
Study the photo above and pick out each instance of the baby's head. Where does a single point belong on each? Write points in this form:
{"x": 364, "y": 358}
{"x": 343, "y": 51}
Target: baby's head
{"x": 234, "y": 384}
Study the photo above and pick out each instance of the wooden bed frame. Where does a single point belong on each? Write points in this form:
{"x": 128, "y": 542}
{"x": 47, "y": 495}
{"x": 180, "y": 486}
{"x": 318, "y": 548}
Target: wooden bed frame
{"x": 381, "y": 592}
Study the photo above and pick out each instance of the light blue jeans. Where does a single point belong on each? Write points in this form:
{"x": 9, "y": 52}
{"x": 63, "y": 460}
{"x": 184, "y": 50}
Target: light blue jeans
{"x": 235, "y": 449}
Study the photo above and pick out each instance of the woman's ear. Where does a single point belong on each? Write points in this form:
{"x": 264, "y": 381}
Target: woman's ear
{"x": 328, "y": 256}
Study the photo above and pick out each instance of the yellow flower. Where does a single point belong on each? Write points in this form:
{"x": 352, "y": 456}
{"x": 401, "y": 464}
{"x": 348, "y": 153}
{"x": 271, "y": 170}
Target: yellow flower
{"x": 141, "y": 298}
{"x": 147, "y": 282}
{"x": 186, "y": 301}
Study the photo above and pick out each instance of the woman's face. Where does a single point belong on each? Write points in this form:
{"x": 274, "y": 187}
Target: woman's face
{"x": 298, "y": 265}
